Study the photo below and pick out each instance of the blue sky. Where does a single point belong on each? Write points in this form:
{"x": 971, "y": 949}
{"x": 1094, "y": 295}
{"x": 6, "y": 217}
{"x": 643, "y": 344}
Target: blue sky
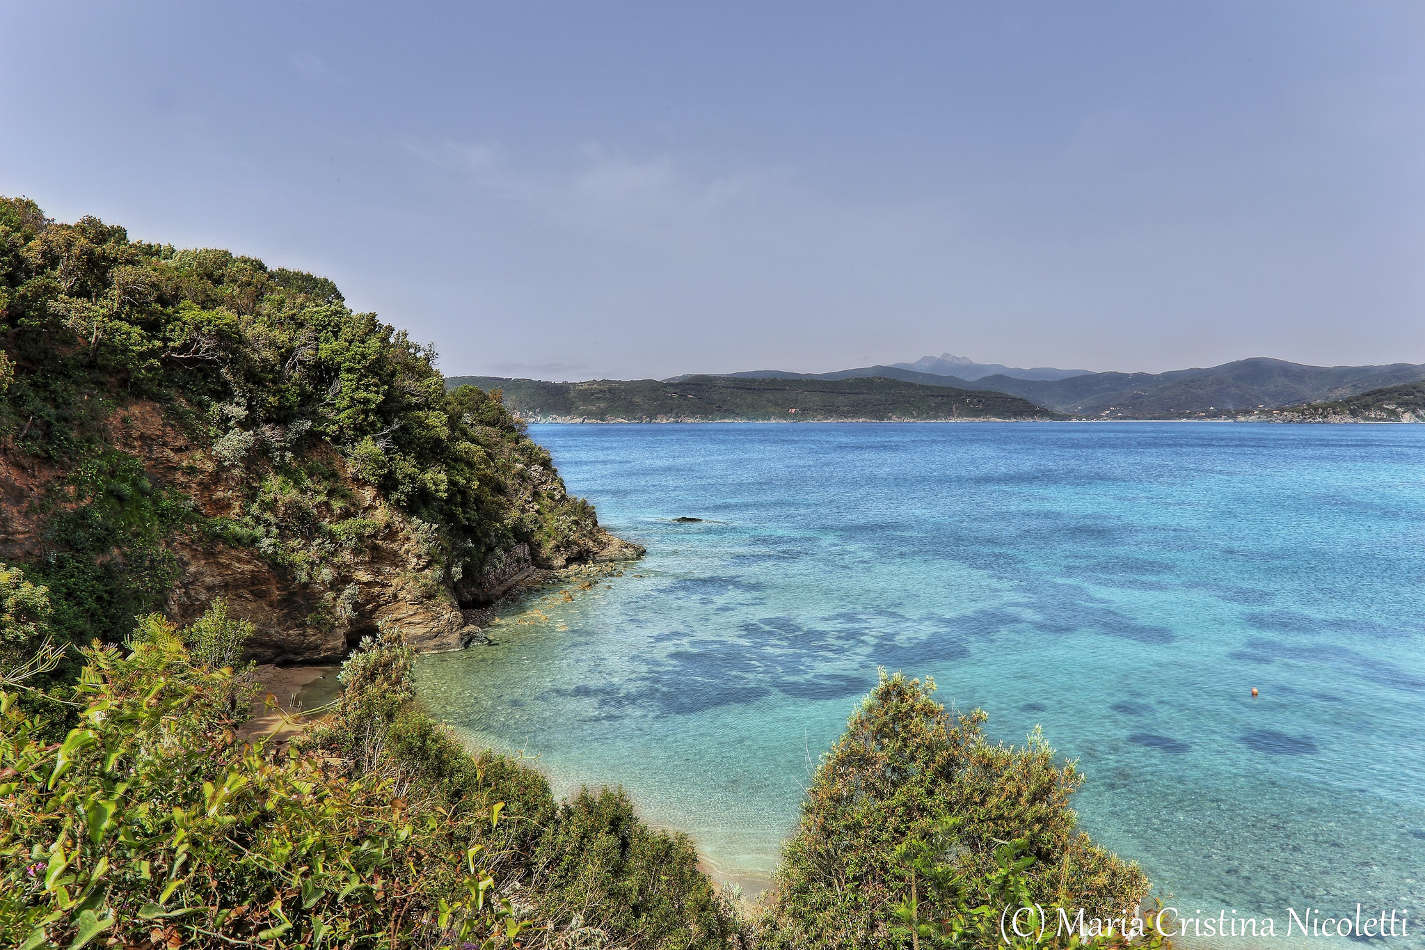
{"x": 615, "y": 189}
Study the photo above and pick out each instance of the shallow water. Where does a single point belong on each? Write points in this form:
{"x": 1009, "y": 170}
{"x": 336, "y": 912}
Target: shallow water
{"x": 1124, "y": 585}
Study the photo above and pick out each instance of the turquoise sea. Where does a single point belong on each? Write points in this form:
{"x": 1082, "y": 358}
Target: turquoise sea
{"x": 1122, "y": 585}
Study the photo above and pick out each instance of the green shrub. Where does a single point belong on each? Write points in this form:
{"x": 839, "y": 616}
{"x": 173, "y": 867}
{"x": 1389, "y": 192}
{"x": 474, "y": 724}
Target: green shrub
{"x": 604, "y": 872}
{"x": 106, "y": 564}
{"x": 587, "y": 870}
{"x": 215, "y": 639}
{"x": 25, "y": 614}
{"x": 906, "y": 770}
{"x": 951, "y": 908}
{"x": 376, "y": 680}
{"x": 469, "y": 784}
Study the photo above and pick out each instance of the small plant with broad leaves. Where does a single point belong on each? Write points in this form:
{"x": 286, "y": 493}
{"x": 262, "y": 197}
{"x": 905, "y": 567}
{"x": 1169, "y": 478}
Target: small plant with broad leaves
{"x": 150, "y": 824}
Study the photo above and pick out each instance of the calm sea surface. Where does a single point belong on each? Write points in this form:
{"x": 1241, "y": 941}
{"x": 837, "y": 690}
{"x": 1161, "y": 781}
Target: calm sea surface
{"x": 1122, "y": 585}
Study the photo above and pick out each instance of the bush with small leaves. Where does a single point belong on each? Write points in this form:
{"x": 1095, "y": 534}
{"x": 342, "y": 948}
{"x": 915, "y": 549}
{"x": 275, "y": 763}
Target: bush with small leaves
{"x": 233, "y": 447}
{"x": 25, "y": 615}
{"x": 948, "y": 907}
{"x": 588, "y": 869}
{"x": 907, "y": 766}
{"x": 609, "y": 873}
{"x": 217, "y": 639}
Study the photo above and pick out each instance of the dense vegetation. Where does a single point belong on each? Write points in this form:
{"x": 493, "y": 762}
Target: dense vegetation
{"x": 1210, "y": 392}
{"x": 713, "y": 398}
{"x": 156, "y": 404}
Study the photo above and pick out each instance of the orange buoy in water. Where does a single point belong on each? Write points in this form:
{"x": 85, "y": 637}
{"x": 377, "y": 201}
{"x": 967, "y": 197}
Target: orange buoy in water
{"x": 1254, "y": 691}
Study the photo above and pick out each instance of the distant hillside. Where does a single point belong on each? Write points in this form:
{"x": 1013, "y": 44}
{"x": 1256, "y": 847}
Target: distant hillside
{"x": 948, "y": 364}
{"x": 1391, "y": 404}
{"x": 1215, "y": 391}
{"x": 1212, "y": 392}
{"x": 713, "y": 398}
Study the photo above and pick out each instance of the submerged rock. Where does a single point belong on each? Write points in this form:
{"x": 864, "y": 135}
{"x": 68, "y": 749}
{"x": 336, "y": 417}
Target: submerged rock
{"x": 473, "y": 637}
{"x": 684, "y": 519}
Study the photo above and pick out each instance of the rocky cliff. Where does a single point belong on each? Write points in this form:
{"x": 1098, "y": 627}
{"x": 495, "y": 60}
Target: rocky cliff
{"x": 182, "y": 426}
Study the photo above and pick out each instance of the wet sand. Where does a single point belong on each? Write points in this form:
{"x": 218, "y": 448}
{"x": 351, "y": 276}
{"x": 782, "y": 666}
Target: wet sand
{"x": 287, "y": 691}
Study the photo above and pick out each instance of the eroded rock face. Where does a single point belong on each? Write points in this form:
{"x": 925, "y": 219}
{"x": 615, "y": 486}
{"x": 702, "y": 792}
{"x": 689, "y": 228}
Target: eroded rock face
{"x": 617, "y": 549}
{"x": 255, "y": 591}
{"x": 430, "y": 625}
{"x": 392, "y": 582}
{"x": 508, "y": 569}
{"x": 299, "y": 619}
{"x": 314, "y": 611}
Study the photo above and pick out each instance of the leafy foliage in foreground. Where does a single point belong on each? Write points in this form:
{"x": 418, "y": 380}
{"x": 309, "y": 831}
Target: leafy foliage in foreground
{"x": 25, "y": 615}
{"x": 909, "y": 779}
{"x": 952, "y": 908}
{"x": 152, "y": 821}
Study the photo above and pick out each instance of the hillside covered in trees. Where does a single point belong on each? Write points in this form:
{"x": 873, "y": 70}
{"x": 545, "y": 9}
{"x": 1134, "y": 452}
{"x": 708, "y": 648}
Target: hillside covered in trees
{"x": 177, "y": 426}
{"x": 722, "y": 398}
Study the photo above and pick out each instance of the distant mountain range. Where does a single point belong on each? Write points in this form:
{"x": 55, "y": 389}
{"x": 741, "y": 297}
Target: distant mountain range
{"x": 960, "y": 368}
{"x": 1227, "y": 391}
{"x": 948, "y": 364}
{"x": 1240, "y": 386}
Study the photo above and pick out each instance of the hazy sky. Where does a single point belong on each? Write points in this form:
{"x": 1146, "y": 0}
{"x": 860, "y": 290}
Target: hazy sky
{"x": 612, "y": 189}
